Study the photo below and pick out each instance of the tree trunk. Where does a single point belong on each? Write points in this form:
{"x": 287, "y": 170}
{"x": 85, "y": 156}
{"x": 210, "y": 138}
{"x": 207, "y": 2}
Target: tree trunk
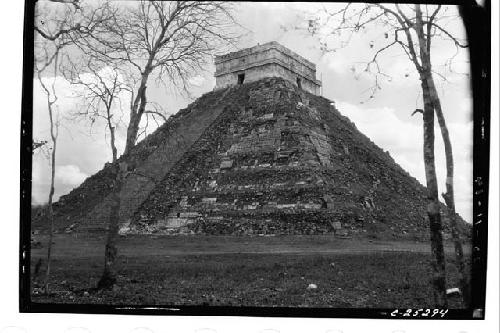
{"x": 49, "y": 208}
{"x": 132, "y": 129}
{"x": 449, "y": 196}
{"x": 433, "y": 213}
{"x": 135, "y": 120}
{"x": 136, "y": 112}
{"x": 108, "y": 278}
{"x": 113, "y": 147}
{"x": 50, "y": 211}
{"x": 112, "y": 143}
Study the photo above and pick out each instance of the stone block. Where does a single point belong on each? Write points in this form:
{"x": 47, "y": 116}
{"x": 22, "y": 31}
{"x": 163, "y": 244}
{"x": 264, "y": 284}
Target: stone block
{"x": 184, "y": 201}
{"x": 124, "y": 228}
{"x": 342, "y": 233}
{"x": 312, "y": 206}
{"x": 272, "y": 204}
{"x": 226, "y": 164}
{"x": 172, "y": 222}
{"x": 189, "y": 214}
{"x": 336, "y": 225}
{"x": 286, "y": 206}
{"x": 267, "y": 116}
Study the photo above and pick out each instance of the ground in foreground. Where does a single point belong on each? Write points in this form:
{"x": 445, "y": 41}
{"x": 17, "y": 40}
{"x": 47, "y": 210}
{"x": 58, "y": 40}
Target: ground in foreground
{"x": 239, "y": 271}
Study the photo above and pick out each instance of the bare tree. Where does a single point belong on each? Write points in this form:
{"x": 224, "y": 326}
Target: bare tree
{"x": 58, "y": 23}
{"x": 47, "y": 51}
{"x": 172, "y": 40}
{"x": 50, "y": 91}
{"x": 102, "y": 92}
{"x": 413, "y": 30}
{"x": 429, "y": 86}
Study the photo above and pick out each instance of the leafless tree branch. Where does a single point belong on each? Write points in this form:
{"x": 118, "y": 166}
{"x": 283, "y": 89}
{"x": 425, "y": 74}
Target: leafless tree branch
{"x": 170, "y": 41}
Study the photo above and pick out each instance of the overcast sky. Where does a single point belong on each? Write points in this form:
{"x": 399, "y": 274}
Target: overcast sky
{"x": 385, "y": 119}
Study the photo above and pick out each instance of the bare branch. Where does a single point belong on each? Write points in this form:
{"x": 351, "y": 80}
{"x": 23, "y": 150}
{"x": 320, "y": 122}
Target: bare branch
{"x": 405, "y": 25}
{"x": 449, "y": 35}
{"x": 101, "y": 89}
{"x": 167, "y": 40}
{"x": 429, "y": 26}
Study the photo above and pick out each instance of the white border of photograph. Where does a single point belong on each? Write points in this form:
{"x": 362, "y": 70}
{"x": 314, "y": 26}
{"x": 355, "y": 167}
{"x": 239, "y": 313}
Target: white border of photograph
{"x": 11, "y": 21}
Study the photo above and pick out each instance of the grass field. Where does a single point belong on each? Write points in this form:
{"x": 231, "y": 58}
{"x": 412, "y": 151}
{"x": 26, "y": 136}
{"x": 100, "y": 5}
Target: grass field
{"x": 245, "y": 271}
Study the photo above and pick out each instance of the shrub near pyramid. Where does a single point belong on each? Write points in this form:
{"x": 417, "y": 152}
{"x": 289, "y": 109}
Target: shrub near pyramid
{"x": 279, "y": 160}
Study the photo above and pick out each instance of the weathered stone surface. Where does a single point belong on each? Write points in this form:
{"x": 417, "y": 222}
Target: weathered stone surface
{"x": 88, "y": 205}
{"x": 268, "y": 60}
{"x": 263, "y": 164}
{"x": 277, "y": 166}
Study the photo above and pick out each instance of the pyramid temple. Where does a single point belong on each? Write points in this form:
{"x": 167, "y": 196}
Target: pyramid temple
{"x": 261, "y": 154}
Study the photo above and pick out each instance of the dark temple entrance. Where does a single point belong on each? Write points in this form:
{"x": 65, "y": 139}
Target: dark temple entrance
{"x": 241, "y": 78}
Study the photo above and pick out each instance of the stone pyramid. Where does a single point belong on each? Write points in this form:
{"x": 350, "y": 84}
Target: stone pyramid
{"x": 261, "y": 158}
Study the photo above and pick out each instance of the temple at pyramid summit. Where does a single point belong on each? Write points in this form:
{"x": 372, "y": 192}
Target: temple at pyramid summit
{"x": 267, "y": 60}
{"x": 261, "y": 154}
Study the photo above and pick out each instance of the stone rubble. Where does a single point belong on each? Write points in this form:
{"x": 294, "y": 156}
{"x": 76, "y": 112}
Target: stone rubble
{"x": 273, "y": 164}
{"x": 267, "y": 159}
